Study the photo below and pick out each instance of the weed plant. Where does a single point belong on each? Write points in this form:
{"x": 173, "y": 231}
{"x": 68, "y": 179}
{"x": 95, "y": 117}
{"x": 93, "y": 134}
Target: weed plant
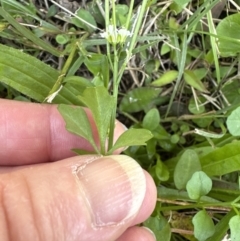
{"x": 169, "y": 70}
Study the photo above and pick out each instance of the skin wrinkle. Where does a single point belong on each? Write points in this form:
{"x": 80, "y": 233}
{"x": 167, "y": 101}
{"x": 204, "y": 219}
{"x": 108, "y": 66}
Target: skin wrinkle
{"x": 31, "y": 208}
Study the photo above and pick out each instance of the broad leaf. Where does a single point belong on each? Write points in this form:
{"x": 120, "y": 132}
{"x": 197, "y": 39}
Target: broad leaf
{"x": 87, "y": 21}
{"x": 203, "y": 226}
{"x": 132, "y": 137}
{"x": 229, "y": 35}
{"x": 187, "y": 165}
{"x": 32, "y": 77}
{"x": 223, "y": 160}
{"x": 233, "y": 122}
{"x": 199, "y": 185}
{"x": 151, "y": 120}
{"x": 77, "y": 122}
{"x": 160, "y": 228}
{"x": 221, "y": 227}
{"x": 98, "y": 100}
{"x": 142, "y": 98}
{"x": 234, "y": 225}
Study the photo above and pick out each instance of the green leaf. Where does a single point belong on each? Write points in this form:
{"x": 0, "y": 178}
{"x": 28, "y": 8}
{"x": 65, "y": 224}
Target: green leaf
{"x": 194, "y": 81}
{"x": 160, "y": 228}
{"x": 222, "y": 227}
{"x": 140, "y": 99}
{"x": 77, "y": 122}
{"x": 28, "y": 34}
{"x": 199, "y": 185}
{"x": 88, "y": 23}
{"x": 203, "y": 226}
{"x": 187, "y": 165}
{"x": 62, "y": 38}
{"x": 80, "y": 81}
{"x": 167, "y": 78}
{"x": 229, "y": 35}
{"x": 98, "y": 65}
{"x": 161, "y": 171}
{"x": 32, "y": 77}
{"x": 196, "y": 109}
{"x": 223, "y": 160}
{"x": 151, "y": 120}
{"x": 98, "y": 100}
{"x": 132, "y": 137}
{"x": 233, "y": 122}
{"x": 182, "y": 3}
{"x": 234, "y": 225}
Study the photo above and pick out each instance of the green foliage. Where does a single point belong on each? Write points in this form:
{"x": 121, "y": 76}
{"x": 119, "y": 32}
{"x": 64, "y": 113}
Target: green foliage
{"x": 84, "y": 20}
{"x": 199, "y": 185}
{"x": 160, "y": 227}
{"x": 229, "y": 35}
{"x": 186, "y": 166}
{"x": 161, "y": 75}
{"x": 234, "y": 225}
{"x": 203, "y": 226}
{"x": 73, "y": 116}
{"x": 140, "y": 99}
{"x": 233, "y": 122}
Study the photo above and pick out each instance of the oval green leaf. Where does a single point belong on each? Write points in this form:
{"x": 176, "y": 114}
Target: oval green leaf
{"x": 187, "y": 165}
{"x": 233, "y": 122}
{"x": 203, "y": 226}
{"x": 151, "y": 120}
{"x": 234, "y": 225}
{"x": 199, "y": 185}
{"x": 229, "y": 35}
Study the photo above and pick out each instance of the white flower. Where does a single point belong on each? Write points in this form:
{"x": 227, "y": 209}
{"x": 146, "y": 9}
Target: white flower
{"x": 114, "y": 35}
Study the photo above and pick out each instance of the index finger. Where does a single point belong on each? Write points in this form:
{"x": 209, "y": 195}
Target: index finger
{"x": 35, "y": 133}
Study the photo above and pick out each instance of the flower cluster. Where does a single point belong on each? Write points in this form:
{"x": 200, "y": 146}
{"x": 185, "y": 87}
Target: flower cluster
{"x": 114, "y": 35}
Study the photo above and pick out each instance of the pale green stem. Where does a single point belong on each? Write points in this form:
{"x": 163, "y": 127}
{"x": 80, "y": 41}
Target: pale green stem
{"x": 115, "y": 96}
{"x": 117, "y": 74}
{"x": 129, "y": 14}
{"x": 107, "y": 27}
{"x": 135, "y": 30}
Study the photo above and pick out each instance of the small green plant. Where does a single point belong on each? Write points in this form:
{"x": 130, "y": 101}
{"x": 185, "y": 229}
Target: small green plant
{"x": 168, "y": 70}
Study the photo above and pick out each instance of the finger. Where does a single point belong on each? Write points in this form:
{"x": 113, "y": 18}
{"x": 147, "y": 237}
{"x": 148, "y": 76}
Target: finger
{"x": 137, "y": 234}
{"x": 35, "y": 133}
{"x": 149, "y": 202}
{"x": 81, "y": 198}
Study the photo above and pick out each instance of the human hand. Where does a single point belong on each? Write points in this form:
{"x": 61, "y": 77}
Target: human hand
{"x": 79, "y": 198}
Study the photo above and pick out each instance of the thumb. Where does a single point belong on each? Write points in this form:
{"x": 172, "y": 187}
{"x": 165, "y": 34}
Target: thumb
{"x": 81, "y": 198}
